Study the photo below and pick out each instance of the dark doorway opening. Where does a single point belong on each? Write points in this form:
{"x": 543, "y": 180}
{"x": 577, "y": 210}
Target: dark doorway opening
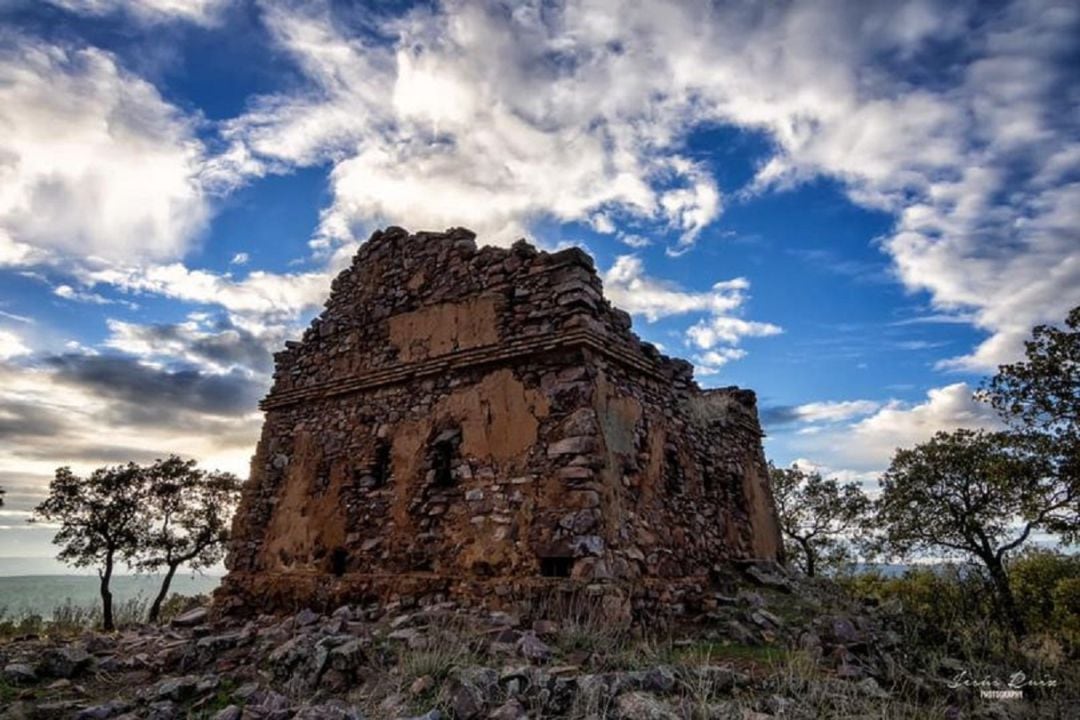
{"x": 442, "y": 463}
{"x": 339, "y": 559}
{"x": 558, "y": 567}
{"x": 381, "y": 469}
{"x": 674, "y": 479}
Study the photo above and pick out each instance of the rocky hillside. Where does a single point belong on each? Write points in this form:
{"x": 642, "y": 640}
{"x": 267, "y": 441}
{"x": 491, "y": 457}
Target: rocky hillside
{"x": 779, "y": 648}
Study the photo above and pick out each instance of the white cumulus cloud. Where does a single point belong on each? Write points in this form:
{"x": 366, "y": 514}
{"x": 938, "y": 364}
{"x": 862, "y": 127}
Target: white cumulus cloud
{"x": 869, "y": 443}
{"x": 627, "y": 284}
{"x": 259, "y": 296}
{"x": 93, "y": 162}
{"x": 11, "y": 345}
{"x": 201, "y": 12}
{"x": 491, "y": 115}
{"x": 834, "y": 411}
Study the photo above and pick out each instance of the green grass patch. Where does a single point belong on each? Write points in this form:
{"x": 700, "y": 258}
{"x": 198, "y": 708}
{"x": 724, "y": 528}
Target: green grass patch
{"x": 222, "y": 699}
{"x": 710, "y": 652}
{"x": 10, "y": 693}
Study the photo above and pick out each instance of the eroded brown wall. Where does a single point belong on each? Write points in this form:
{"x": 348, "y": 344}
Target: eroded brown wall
{"x": 309, "y": 517}
{"x": 439, "y": 329}
{"x": 575, "y": 447}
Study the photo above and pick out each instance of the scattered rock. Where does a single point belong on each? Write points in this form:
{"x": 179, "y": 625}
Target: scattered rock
{"x": 19, "y": 674}
{"x": 843, "y": 632}
{"x": 848, "y": 671}
{"x": 660, "y": 679}
{"x": 429, "y": 715}
{"x": 869, "y": 687}
{"x": 66, "y": 662}
{"x": 421, "y": 685}
{"x": 163, "y": 710}
{"x": 755, "y": 715}
{"x": 642, "y": 706}
{"x": 110, "y": 709}
{"x": 510, "y": 710}
{"x": 533, "y": 648}
{"x": 770, "y": 576}
{"x": 177, "y": 689}
{"x": 742, "y": 634}
{"x": 214, "y": 644}
{"x": 331, "y": 710}
{"x": 467, "y": 702}
{"x": 191, "y": 618}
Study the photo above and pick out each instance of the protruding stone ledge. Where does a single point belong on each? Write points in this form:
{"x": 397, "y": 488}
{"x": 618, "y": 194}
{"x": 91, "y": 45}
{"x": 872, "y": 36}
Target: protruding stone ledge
{"x": 461, "y": 360}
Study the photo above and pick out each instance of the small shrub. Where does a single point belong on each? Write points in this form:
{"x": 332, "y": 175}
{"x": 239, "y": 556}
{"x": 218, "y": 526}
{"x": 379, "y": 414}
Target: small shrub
{"x": 69, "y": 618}
{"x": 945, "y": 609}
{"x": 584, "y": 627}
{"x": 25, "y": 623}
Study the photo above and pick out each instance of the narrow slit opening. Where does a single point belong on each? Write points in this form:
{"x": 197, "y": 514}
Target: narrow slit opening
{"x": 442, "y": 463}
{"x": 673, "y": 472}
{"x": 381, "y": 470}
{"x": 339, "y": 559}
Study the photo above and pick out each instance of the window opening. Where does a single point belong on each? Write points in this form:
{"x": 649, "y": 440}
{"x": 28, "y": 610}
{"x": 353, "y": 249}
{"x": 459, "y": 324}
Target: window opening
{"x": 558, "y": 567}
{"x": 381, "y": 470}
{"x": 442, "y": 463}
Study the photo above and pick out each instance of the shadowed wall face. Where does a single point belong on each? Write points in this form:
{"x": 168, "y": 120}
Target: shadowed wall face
{"x": 461, "y": 417}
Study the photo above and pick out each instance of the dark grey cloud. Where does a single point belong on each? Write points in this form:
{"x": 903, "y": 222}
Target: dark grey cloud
{"x": 778, "y": 415}
{"x": 234, "y": 346}
{"x": 154, "y": 395}
{"x": 62, "y": 453}
{"x": 221, "y": 344}
{"x": 25, "y": 420}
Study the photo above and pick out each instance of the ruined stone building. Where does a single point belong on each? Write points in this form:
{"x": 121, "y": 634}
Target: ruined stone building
{"x": 477, "y": 423}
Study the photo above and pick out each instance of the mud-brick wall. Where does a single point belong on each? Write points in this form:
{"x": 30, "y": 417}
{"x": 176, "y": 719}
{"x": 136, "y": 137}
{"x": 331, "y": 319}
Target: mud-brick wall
{"x": 408, "y": 298}
{"x": 464, "y": 413}
{"x": 359, "y": 473}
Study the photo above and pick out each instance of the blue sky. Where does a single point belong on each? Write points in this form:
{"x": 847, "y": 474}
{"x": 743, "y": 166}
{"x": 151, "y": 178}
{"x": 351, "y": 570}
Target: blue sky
{"x": 856, "y": 209}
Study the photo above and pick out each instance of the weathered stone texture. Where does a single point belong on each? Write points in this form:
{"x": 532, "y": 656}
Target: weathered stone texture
{"x": 477, "y": 422}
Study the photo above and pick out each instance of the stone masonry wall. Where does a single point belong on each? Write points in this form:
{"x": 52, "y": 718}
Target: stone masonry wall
{"x": 479, "y": 423}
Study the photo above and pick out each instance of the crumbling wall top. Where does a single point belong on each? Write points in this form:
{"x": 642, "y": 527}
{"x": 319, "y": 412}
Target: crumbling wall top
{"x": 402, "y": 285}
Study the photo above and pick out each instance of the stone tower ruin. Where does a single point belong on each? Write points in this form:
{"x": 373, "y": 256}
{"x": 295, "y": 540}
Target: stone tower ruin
{"x": 477, "y": 424}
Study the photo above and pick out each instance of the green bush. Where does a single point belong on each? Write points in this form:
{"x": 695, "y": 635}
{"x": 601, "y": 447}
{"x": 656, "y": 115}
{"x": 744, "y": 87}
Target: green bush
{"x": 950, "y": 608}
{"x": 1066, "y": 597}
{"x": 1036, "y": 577}
{"x": 941, "y": 609}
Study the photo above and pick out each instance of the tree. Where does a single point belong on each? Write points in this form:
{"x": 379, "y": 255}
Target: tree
{"x": 1039, "y": 397}
{"x": 190, "y": 510}
{"x": 816, "y": 513}
{"x": 971, "y": 493}
{"x": 102, "y": 521}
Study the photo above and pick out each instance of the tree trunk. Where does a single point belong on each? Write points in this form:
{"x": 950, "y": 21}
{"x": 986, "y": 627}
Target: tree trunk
{"x": 106, "y": 595}
{"x": 810, "y": 560}
{"x": 1006, "y": 601}
{"x": 155, "y": 609}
